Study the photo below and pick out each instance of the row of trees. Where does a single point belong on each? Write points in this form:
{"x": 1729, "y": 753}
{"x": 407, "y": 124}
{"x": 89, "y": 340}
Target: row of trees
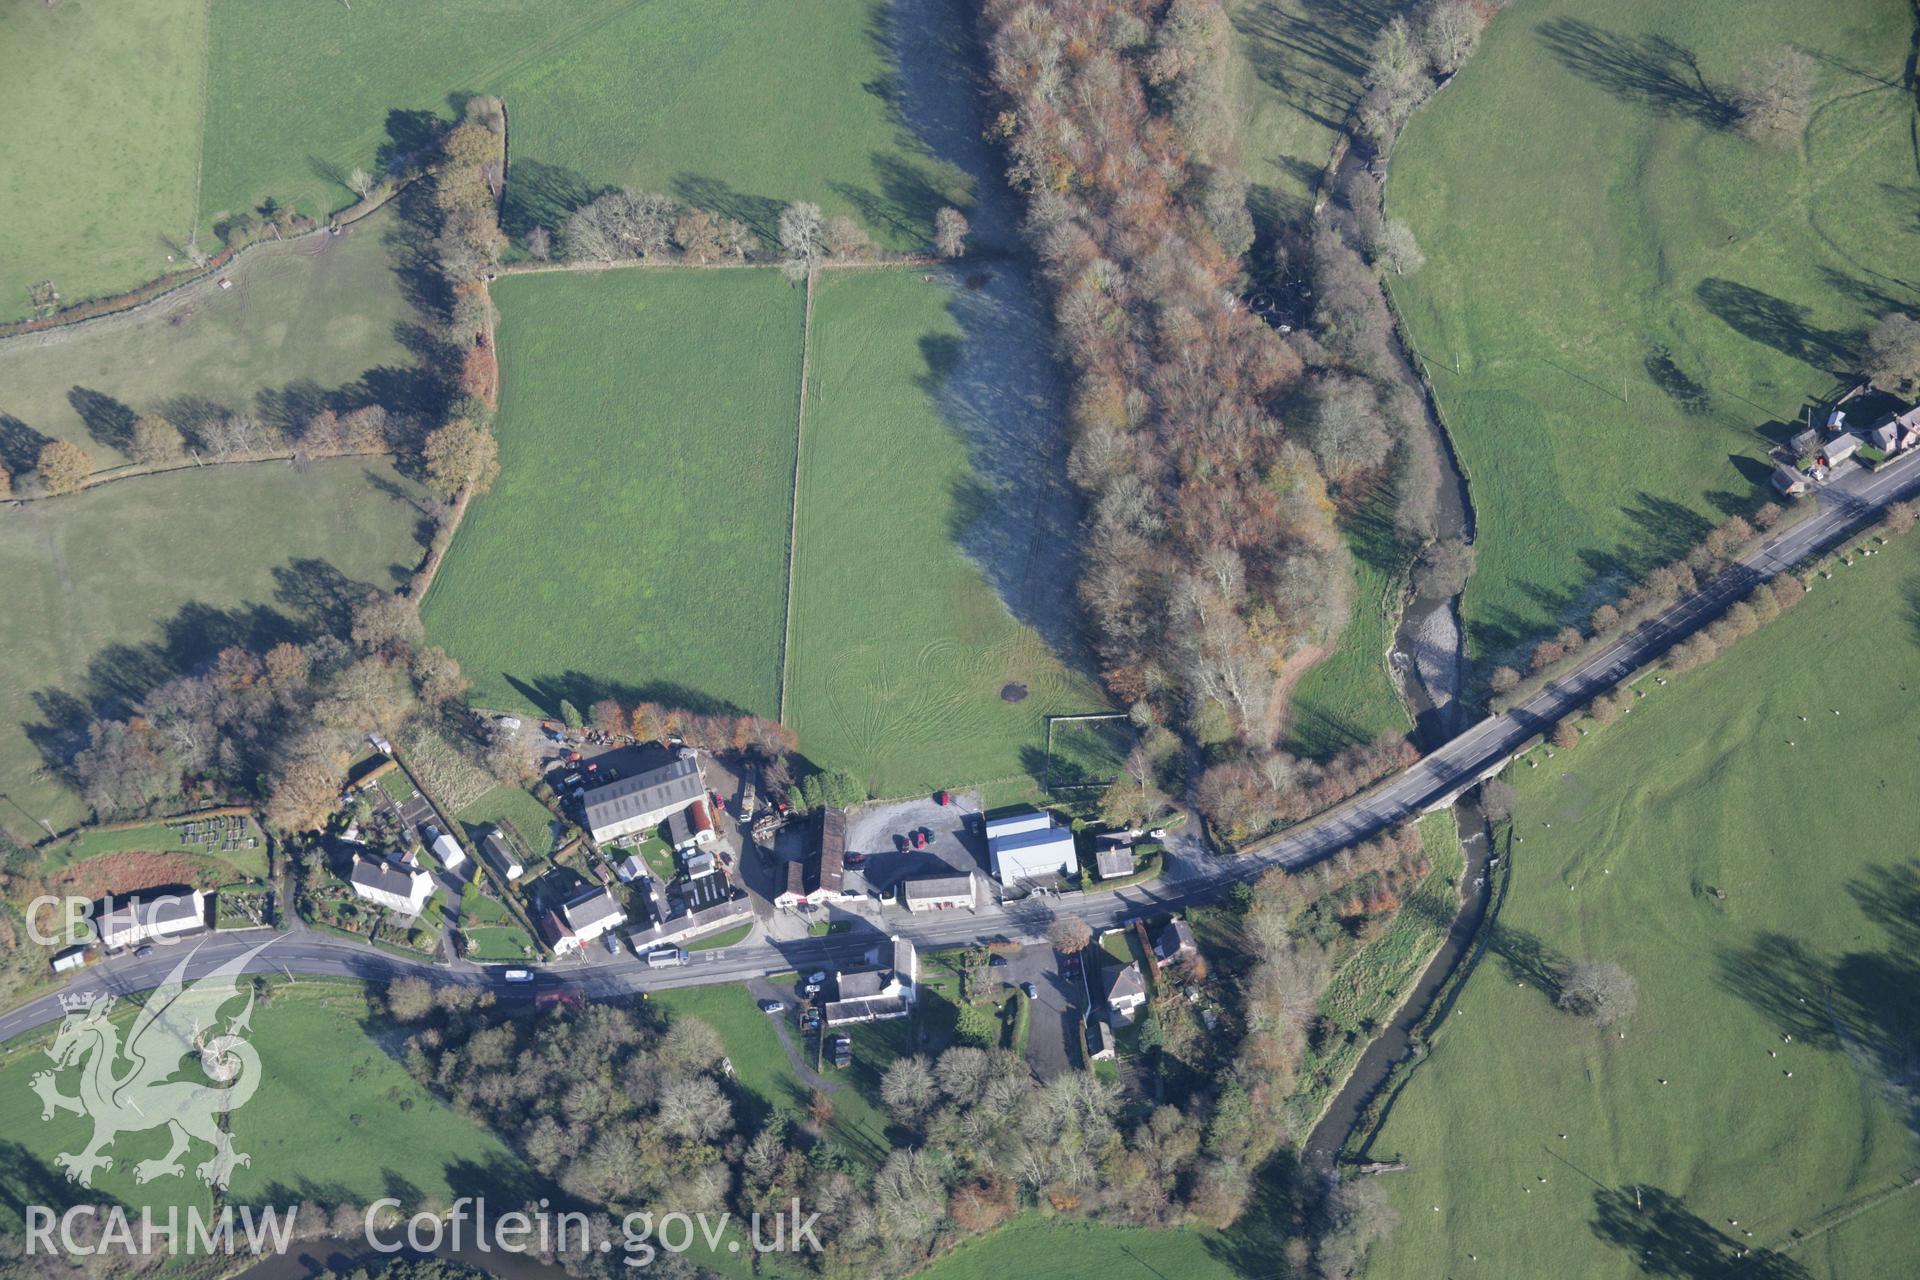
{"x": 1244, "y": 796}
{"x": 627, "y": 226}
{"x": 276, "y": 726}
{"x": 1210, "y": 552}
{"x": 1659, "y": 590}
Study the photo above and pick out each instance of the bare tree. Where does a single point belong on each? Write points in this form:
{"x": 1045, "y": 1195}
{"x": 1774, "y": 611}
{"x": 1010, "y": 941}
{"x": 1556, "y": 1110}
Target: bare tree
{"x": 1069, "y": 935}
{"x": 1344, "y": 428}
{"x": 802, "y": 232}
{"x": 1395, "y": 249}
{"x": 361, "y": 182}
{"x": 908, "y": 1089}
{"x": 540, "y": 244}
{"x": 1774, "y": 97}
{"x": 1449, "y": 32}
{"x": 950, "y": 232}
{"x": 621, "y": 224}
{"x": 844, "y": 238}
{"x": 1601, "y": 991}
{"x": 1892, "y": 358}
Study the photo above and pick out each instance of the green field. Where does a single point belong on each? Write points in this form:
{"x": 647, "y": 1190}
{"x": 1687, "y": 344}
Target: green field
{"x": 1620, "y": 291}
{"x": 739, "y": 107}
{"x": 309, "y": 324}
{"x": 155, "y": 116}
{"x": 1349, "y": 696}
{"x": 900, "y": 647}
{"x": 1692, "y": 845}
{"x": 1294, "y": 73}
{"x": 1072, "y": 1249}
{"x": 636, "y": 545}
{"x": 115, "y": 590}
{"x": 100, "y": 158}
{"x": 335, "y": 1118}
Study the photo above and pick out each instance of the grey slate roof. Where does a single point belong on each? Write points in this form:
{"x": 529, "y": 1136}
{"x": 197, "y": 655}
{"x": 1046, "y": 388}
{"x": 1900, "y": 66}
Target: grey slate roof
{"x": 382, "y": 877}
{"x": 1126, "y": 983}
{"x": 677, "y": 783}
{"x": 591, "y": 908}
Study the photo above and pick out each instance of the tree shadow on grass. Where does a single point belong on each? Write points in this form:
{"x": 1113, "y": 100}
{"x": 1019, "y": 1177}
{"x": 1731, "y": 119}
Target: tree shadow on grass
{"x": 108, "y": 421}
{"x": 313, "y": 599}
{"x": 1529, "y": 959}
{"x": 20, "y": 445}
{"x": 583, "y": 690}
{"x": 1665, "y": 1238}
{"x": 544, "y": 195}
{"x": 1014, "y": 515}
{"x": 761, "y": 214}
{"x": 1863, "y": 1003}
{"x": 1785, "y": 326}
{"x": 1649, "y": 70}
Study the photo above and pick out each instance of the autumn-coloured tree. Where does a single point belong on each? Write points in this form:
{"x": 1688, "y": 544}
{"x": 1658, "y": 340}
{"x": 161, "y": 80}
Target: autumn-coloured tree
{"x": 305, "y": 793}
{"x": 609, "y": 717}
{"x": 461, "y": 455}
{"x": 155, "y": 440}
{"x": 64, "y": 467}
{"x": 697, "y": 233}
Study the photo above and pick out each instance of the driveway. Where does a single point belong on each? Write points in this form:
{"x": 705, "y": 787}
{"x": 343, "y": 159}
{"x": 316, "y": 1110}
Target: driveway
{"x": 1053, "y": 1046}
{"x": 954, "y": 844}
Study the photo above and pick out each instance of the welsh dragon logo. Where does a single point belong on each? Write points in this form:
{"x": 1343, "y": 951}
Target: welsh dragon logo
{"x": 132, "y": 1088}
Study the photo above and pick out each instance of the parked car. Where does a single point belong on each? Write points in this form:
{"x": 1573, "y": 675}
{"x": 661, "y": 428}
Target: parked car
{"x": 1030, "y": 991}
{"x": 666, "y": 957}
{"x": 773, "y": 1006}
{"x": 1158, "y": 833}
{"x": 811, "y": 989}
{"x": 612, "y": 944}
{"x": 996, "y": 962}
{"x": 518, "y": 975}
{"x": 141, "y": 953}
{"x": 817, "y": 977}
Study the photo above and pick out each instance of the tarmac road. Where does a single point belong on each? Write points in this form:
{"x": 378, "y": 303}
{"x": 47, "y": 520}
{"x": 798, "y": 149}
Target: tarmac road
{"x": 1194, "y": 876}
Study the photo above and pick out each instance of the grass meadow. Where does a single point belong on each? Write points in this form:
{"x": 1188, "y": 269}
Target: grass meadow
{"x": 114, "y": 590}
{"x": 1295, "y": 72}
{"x": 310, "y": 324}
{"x": 100, "y": 184}
{"x": 1349, "y": 696}
{"x": 1756, "y": 873}
{"x": 742, "y": 107}
{"x": 900, "y": 646}
{"x": 1623, "y": 299}
{"x": 636, "y": 543}
{"x": 335, "y": 1118}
